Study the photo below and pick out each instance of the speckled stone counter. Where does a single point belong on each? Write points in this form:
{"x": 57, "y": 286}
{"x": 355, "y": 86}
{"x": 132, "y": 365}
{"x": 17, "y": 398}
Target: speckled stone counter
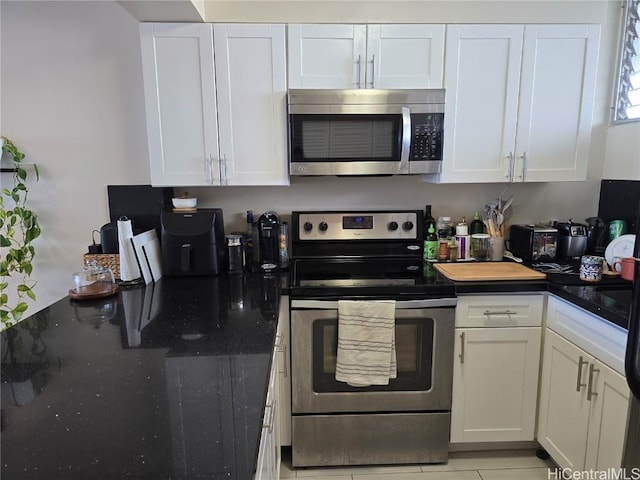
{"x": 166, "y": 381}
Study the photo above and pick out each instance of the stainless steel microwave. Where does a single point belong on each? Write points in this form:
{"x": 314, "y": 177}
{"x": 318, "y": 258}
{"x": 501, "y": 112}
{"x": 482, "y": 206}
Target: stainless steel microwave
{"x": 365, "y": 131}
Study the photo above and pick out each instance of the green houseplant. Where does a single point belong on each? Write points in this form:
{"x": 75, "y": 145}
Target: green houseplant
{"x": 18, "y": 229}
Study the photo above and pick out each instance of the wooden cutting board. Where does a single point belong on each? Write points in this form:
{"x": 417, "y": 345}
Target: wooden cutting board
{"x": 480, "y": 271}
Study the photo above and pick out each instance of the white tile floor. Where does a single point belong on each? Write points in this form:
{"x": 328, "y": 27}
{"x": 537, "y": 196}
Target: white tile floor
{"x": 495, "y": 465}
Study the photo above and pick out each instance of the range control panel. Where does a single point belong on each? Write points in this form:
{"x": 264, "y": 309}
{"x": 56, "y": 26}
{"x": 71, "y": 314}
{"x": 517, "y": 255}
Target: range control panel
{"x": 396, "y": 225}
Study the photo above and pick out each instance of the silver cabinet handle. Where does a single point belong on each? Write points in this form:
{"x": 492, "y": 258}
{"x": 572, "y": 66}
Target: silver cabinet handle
{"x": 499, "y": 312}
{"x": 358, "y": 63}
{"x": 373, "y": 69}
{"x": 268, "y": 417}
{"x": 590, "y": 392}
{"x": 223, "y": 170}
{"x": 208, "y": 169}
{"x": 579, "y": 383}
{"x": 512, "y": 166}
{"x": 280, "y": 347}
{"x": 461, "y": 354}
{"x": 524, "y": 166}
{"x": 406, "y": 140}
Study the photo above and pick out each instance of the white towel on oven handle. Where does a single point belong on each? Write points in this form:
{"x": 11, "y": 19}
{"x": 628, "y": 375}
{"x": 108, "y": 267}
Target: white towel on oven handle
{"x": 366, "y": 342}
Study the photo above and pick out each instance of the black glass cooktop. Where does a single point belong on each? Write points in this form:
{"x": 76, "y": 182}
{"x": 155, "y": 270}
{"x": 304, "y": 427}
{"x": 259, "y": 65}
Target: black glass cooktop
{"x": 383, "y": 276}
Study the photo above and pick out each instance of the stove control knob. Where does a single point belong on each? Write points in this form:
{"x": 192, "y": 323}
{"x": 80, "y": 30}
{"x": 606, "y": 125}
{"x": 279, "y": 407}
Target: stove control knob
{"x": 393, "y": 226}
{"x": 407, "y": 225}
{"x": 308, "y": 226}
{"x": 323, "y": 226}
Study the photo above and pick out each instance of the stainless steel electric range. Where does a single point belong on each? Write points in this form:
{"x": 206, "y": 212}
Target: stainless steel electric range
{"x": 368, "y": 255}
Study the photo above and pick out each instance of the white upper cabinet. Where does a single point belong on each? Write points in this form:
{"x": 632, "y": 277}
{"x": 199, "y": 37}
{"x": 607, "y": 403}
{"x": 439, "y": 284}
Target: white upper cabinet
{"x": 366, "y": 56}
{"x": 241, "y": 139}
{"x": 519, "y": 102}
{"x": 557, "y": 90}
{"x": 482, "y": 74}
{"x": 179, "y": 86}
{"x": 251, "y": 90}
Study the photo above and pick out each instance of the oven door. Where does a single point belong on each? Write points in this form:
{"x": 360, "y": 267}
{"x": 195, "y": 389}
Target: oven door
{"x": 424, "y": 349}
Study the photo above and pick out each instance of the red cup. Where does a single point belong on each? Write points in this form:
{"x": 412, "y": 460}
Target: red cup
{"x": 627, "y": 267}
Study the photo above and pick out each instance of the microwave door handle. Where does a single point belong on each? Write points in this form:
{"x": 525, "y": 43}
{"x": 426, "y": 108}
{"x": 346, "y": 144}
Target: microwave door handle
{"x": 406, "y": 140}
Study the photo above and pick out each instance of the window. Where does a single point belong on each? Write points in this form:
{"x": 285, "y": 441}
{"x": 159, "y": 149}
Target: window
{"x": 627, "y": 106}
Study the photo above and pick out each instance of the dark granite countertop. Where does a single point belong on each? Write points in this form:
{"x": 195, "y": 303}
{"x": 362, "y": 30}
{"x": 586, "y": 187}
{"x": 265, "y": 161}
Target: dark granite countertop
{"x": 158, "y": 382}
{"x": 169, "y": 380}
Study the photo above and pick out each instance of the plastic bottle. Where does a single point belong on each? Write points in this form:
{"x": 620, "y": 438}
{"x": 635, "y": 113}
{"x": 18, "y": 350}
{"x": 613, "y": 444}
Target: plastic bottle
{"x": 462, "y": 239}
{"x": 477, "y": 225}
{"x": 430, "y": 251}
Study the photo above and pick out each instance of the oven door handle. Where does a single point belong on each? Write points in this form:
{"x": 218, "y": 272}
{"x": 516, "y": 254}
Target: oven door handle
{"x": 400, "y": 304}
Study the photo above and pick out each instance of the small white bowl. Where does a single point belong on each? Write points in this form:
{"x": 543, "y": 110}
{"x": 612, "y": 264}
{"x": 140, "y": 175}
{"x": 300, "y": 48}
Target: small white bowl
{"x": 184, "y": 202}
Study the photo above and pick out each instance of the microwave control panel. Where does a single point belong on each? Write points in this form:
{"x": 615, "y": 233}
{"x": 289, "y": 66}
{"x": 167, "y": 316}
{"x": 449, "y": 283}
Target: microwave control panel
{"x": 426, "y": 141}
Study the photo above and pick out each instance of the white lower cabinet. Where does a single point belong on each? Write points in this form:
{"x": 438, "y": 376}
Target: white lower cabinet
{"x": 583, "y": 402}
{"x": 276, "y": 427}
{"x": 268, "y": 463}
{"x": 496, "y": 363}
{"x": 284, "y": 367}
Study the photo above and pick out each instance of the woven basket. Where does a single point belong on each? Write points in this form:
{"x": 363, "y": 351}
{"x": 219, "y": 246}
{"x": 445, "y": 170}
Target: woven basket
{"x": 108, "y": 260}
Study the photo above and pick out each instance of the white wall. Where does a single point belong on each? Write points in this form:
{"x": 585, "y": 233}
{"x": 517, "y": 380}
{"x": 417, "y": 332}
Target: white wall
{"x": 71, "y": 98}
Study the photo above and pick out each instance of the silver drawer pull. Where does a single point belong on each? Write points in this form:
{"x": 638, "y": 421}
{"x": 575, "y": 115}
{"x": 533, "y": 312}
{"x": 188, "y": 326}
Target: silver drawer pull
{"x": 579, "y": 383}
{"x": 499, "y": 312}
{"x": 461, "y": 354}
{"x": 590, "y": 392}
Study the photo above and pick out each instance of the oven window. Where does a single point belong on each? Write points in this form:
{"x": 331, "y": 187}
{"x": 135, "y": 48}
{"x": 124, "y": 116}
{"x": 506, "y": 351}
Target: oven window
{"x": 414, "y": 356}
{"x": 318, "y": 138}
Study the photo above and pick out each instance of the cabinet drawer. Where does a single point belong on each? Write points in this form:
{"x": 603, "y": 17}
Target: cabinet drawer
{"x": 598, "y": 337}
{"x": 499, "y": 311}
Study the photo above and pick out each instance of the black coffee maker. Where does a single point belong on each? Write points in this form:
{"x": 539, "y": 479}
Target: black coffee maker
{"x": 597, "y": 236}
{"x": 269, "y": 237}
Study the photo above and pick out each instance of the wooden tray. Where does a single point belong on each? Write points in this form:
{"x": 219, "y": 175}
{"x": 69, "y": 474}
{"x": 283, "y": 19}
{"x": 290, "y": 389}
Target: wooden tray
{"x": 485, "y": 271}
{"x": 92, "y": 296}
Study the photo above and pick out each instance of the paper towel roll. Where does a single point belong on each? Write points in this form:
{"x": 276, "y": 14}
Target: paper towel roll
{"x": 129, "y": 269}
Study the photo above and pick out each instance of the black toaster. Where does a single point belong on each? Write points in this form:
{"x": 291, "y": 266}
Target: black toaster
{"x": 533, "y": 242}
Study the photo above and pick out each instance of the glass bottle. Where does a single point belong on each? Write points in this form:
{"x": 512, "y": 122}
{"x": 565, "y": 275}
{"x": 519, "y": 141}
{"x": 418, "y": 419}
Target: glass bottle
{"x": 477, "y": 225}
{"x": 428, "y": 219}
{"x": 430, "y": 250}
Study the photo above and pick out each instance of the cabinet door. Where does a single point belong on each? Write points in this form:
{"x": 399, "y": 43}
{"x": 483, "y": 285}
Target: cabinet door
{"x": 284, "y": 368}
{"x": 495, "y": 384}
{"x": 327, "y": 56}
{"x": 180, "y": 99}
{"x": 268, "y": 462}
{"x": 608, "y": 419}
{"x": 251, "y": 88}
{"x": 563, "y": 418}
{"x": 482, "y": 73}
{"x": 556, "y": 102}
{"x": 405, "y": 56}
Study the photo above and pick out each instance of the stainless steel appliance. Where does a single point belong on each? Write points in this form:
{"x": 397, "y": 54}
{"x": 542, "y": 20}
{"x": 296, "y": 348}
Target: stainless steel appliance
{"x": 368, "y": 256}
{"x": 572, "y": 239}
{"x": 533, "y": 242}
{"x": 193, "y": 243}
{"x": 365, "y": 131}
